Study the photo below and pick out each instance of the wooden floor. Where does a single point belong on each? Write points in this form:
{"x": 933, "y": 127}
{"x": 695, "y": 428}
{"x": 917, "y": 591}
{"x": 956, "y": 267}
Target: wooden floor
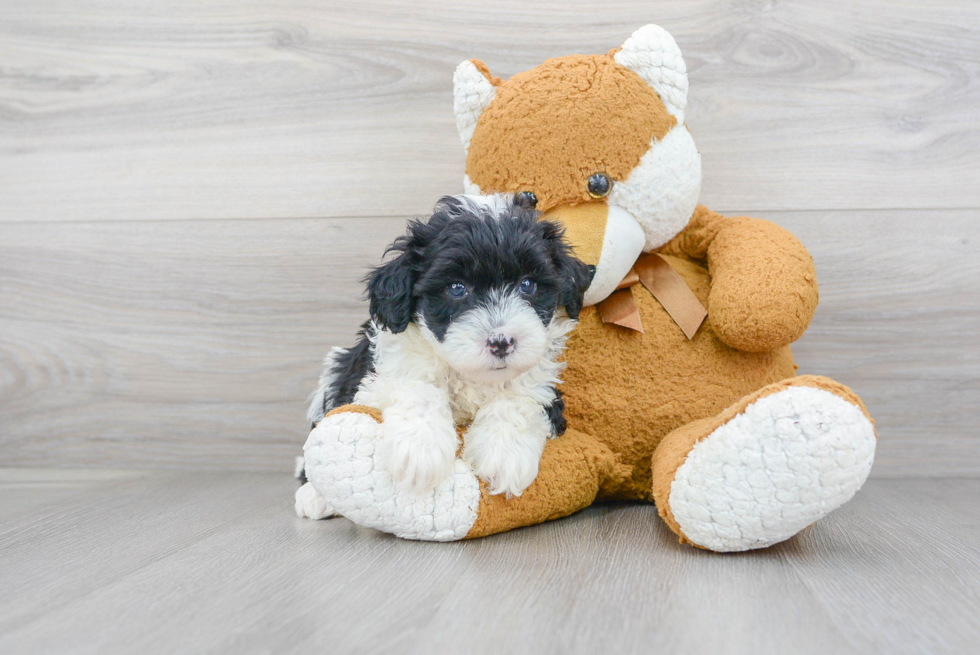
{"x": 187, "y": 562}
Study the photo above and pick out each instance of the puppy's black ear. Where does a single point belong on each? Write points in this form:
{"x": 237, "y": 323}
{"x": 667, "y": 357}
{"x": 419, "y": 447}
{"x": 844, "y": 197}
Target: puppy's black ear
{"x": 389, "y": 290}
{"x": 391, "y": 286}
{"x": 575, "y": 275}
{"x": 576, "y": 279}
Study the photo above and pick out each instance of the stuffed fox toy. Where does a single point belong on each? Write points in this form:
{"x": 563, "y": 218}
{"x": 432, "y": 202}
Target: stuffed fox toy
{"x": 680, "y": 388}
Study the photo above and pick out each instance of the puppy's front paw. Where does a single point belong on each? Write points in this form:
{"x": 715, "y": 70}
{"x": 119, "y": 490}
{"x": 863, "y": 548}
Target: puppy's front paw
{"x": 506, "y": 453}
{"x": 418, "y": 455}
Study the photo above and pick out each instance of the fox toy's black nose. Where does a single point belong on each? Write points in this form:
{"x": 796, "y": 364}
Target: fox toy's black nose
{"x": 500, "y": 346}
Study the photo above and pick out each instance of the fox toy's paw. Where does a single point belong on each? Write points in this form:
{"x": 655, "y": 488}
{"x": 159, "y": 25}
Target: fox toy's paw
{"x": 343, "y": 465}
{"x": 761, "y": 472}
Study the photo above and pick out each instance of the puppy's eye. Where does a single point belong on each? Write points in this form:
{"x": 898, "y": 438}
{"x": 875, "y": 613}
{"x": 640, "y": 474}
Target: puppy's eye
{"x": 528, "y": 286}
{"x": 599, "y": 185}
{"x": 456, "y": 290}
{"x": 527, "y": 199}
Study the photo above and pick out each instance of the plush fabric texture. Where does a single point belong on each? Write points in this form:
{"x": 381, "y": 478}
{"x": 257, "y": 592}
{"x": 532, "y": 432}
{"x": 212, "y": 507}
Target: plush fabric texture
{"x": 763, "y": 287}
{"x": 819, "y": 453}
{"x": 662, "y": 191}
{"x": 584, "y": 95}
{"x": 652, "y": 53}
{"x": 473, "y": 92}
{"x": 585, "y": 226}
{"x": 736, "y": 452}
{"x": 630, "y": 389}
{"x": 773, "y": 470}
{"x": 604, "y": 236}
{"x": 574, "y": 470}
{"x": 343, "y": 465}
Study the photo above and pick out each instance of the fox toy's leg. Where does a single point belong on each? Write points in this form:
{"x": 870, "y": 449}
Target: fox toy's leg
{"x": 766, "y": 467}
{"x": 344, "y": 472}
{"x": 575, "y": 469}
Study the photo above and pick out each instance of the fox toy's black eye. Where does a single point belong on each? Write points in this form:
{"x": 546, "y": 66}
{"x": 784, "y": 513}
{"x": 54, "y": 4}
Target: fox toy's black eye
{"x": 599, "y": 185}
{"x": 457, "y": 290}
{"x": 528, "y": 286}
{"x": 527, "y": 199}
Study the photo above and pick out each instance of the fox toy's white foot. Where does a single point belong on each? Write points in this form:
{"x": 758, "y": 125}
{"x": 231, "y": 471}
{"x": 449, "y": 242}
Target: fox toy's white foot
{"x": 787, "y": 460}
{"x": 343, "y": 466}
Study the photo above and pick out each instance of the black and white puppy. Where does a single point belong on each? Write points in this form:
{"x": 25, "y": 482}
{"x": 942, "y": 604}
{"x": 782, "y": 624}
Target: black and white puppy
{"x": 467, "y": 325}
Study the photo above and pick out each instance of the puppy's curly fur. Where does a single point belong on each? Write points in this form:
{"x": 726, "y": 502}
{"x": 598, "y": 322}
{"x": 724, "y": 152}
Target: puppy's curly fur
{"x": 467, "y": 324}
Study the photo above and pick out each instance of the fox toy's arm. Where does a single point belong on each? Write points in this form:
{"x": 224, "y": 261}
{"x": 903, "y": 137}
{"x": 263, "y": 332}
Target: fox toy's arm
{"x": 763, "y": 284}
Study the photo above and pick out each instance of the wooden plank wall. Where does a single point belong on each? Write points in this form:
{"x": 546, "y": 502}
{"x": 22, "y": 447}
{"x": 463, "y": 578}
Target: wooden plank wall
{"x": 189, "y": 193}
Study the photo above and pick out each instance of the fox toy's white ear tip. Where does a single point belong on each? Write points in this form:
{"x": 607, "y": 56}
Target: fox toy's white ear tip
{"x": 472, "y": 93}
{"x": 652, "y": 53}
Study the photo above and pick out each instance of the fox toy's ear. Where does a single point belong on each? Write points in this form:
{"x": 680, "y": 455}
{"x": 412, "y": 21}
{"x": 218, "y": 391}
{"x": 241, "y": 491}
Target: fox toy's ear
{"x": 653, "y": 54}
{"x": 473, "y": 90}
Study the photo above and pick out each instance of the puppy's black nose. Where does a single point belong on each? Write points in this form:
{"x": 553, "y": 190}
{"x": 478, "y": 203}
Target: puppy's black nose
{"x": 500, "y": 346}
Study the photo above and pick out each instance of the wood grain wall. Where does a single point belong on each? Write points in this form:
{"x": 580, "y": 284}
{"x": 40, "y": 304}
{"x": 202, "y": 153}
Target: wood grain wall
{"x": 189, "y": 193}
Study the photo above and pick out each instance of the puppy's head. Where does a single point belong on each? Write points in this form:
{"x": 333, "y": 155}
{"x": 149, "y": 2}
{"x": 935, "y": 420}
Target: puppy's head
{"x": 483, "y": 279}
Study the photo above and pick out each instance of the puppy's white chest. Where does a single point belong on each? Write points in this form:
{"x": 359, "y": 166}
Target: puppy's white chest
{"x": 466, "y": 400}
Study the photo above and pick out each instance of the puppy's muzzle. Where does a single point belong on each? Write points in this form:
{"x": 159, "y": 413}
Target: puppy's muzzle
{"x": 501, "y": 345}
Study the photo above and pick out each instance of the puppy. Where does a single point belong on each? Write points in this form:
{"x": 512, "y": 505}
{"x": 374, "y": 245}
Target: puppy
{"x": 467, "y": 325}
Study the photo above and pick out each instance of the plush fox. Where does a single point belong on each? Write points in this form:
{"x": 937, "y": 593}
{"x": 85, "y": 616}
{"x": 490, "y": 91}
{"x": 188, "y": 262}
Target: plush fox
{"x": 680, "y": 387}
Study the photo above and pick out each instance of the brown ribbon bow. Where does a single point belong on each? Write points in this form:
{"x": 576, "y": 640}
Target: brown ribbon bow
{"x": 666, "y": 285}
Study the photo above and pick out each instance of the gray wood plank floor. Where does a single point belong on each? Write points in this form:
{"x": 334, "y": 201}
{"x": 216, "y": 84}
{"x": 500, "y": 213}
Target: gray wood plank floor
{"x": 179, "y": 562}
